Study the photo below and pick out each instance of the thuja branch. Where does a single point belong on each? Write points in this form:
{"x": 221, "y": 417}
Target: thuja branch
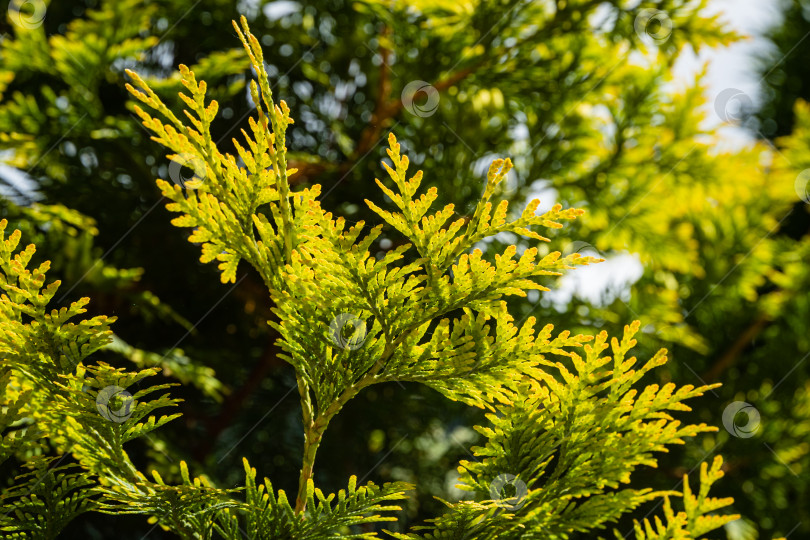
{"x": 318, "y": 269}
{"x": 313, "y": 434}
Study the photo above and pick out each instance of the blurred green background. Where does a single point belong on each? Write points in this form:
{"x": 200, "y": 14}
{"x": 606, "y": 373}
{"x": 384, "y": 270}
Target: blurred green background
{"x": 706, "y": 244}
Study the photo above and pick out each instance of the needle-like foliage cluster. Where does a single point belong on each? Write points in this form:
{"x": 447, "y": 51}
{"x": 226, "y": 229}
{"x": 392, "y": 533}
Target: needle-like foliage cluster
{"x": 569, "y": 418}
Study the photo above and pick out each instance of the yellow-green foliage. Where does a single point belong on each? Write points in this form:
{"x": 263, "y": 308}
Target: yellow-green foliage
{"x": 568, "y": 424}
